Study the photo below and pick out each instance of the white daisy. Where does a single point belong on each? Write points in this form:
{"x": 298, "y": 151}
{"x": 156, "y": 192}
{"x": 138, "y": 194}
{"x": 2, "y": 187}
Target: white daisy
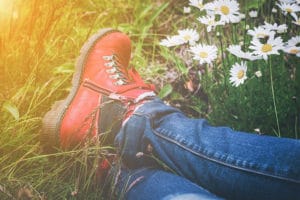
{"x": 288, "y": 8}
{"x": 238, "y": 52}
{"x": 294, "y": 41}
{"x": 274, "y": 10}
{"x": 260, "y": 32}
{"x": 197, "y": 3}
{"x": 227, "y": 9}
{"x": 253, "y": 13}
{"x": 210, "y": 21}
{"x": 272, "y": 46}
{"x": 189, "y": 36}
{"x": 296, "y": 20}
{"x": 274, "y": 27}
{"x": 171, "y": 41}
{"x": 211, "y": 8}
{"x": 292, "y": 50}
{"x": 287, "y": 1}
{"x": 204, "y": 53}
{"x": 292, "y": 46}
{"x": 238, "y": 74}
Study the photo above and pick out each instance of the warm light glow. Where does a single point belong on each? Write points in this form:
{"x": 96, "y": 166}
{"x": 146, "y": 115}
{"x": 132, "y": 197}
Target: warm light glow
{"x": 6, "y": 7}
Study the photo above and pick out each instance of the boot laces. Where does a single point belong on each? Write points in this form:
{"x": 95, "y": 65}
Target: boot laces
{"x": 126, "y": 79}
{"x": 114, "y": 70}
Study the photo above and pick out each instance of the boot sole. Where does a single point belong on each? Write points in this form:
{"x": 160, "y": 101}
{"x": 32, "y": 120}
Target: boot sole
{"x": 52, "y": 120}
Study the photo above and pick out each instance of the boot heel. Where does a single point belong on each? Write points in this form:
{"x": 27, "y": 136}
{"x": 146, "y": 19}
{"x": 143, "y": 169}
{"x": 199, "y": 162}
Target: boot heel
{"x": 49, "y": 136}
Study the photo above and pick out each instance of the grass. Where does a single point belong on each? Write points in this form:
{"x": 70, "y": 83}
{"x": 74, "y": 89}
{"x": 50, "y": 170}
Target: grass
{"x": 39, "y": 42}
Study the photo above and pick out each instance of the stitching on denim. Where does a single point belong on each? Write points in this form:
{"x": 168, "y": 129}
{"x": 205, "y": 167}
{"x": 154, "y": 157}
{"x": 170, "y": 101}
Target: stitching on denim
{"x": 205, "y": 154}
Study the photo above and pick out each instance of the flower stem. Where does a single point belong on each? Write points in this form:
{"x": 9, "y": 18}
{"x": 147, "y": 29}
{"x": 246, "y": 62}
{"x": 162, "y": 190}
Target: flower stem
{"x": 296, "y": 131}
{"x": 273, "y": 96}
{"x": 223, "y": 62}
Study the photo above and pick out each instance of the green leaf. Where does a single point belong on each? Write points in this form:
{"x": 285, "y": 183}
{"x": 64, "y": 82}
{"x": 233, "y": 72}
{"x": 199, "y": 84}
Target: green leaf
{"x": 66, "y": 68}
{"x": 254, "y": 4}
{"x": 11, "y": 109}
{"x": 176, "y": 96}
{"x": 165, "y": 91}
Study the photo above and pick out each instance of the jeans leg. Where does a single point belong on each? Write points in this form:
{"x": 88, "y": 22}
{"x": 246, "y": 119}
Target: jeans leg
{"x": 154, "y": 184}
{"x": 231, "y": 164}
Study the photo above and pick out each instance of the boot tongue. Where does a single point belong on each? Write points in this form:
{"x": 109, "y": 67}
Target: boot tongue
{"x": 110, "y": 119}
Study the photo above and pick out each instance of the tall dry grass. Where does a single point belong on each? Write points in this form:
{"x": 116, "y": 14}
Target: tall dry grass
{"x": 39, "y": 42}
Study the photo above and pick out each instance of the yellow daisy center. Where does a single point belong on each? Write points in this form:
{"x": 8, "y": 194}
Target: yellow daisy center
{"x": 289, "y": 10}
{"x": 187, "y": 37}
{"x": 225, "y": 10}
{"x": 266, "y": 48}
{"x": 294, "y": 51}
{"x": 203, "y": 54}
{"x": 240, "y": 74}
{"x": 200, "y": 5}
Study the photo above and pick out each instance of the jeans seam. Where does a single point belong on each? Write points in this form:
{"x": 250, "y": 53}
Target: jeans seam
{"x": 205, "y": 156}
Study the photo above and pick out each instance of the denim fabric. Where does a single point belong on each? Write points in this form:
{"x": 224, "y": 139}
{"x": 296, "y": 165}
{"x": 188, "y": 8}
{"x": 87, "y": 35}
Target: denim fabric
{"x": 228, "y": 163}
{"x": 153, "y": 184}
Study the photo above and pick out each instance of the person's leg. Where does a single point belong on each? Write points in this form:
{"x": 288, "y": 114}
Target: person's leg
{"x": 105, "y": 91}
{"x": 231, "y": 164}
{"x": 151, "y": 183}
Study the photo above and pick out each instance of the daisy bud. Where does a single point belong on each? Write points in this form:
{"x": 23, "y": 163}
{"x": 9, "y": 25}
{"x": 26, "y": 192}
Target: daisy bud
{"x": 186, "y": 9}
{"x": 139, "y": 154}
{"x": 274, "y": 10}
{"x": 257, "y": 130}
{"x": 258, "y": 74}
{"x": 253, "y": 13}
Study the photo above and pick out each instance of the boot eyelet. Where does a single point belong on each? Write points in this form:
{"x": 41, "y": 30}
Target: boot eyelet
{"x": 119, "y": 82}
{"x": 115, "y": 76}
{"x": 112, "y": 70}
{"x": 109, "y": 64}
{"x": 108, "y": 58}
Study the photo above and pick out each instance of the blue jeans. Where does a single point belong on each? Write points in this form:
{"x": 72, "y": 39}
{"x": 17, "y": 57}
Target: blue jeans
{"x": 166, "y": 155}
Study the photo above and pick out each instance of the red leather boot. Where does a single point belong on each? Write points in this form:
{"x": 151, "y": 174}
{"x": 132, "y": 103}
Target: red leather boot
{"x": 104, "y": 92}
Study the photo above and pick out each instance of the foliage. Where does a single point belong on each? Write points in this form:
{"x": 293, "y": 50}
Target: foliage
{"x": 39, "y": 43}
{"x": 266, "y": 100}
